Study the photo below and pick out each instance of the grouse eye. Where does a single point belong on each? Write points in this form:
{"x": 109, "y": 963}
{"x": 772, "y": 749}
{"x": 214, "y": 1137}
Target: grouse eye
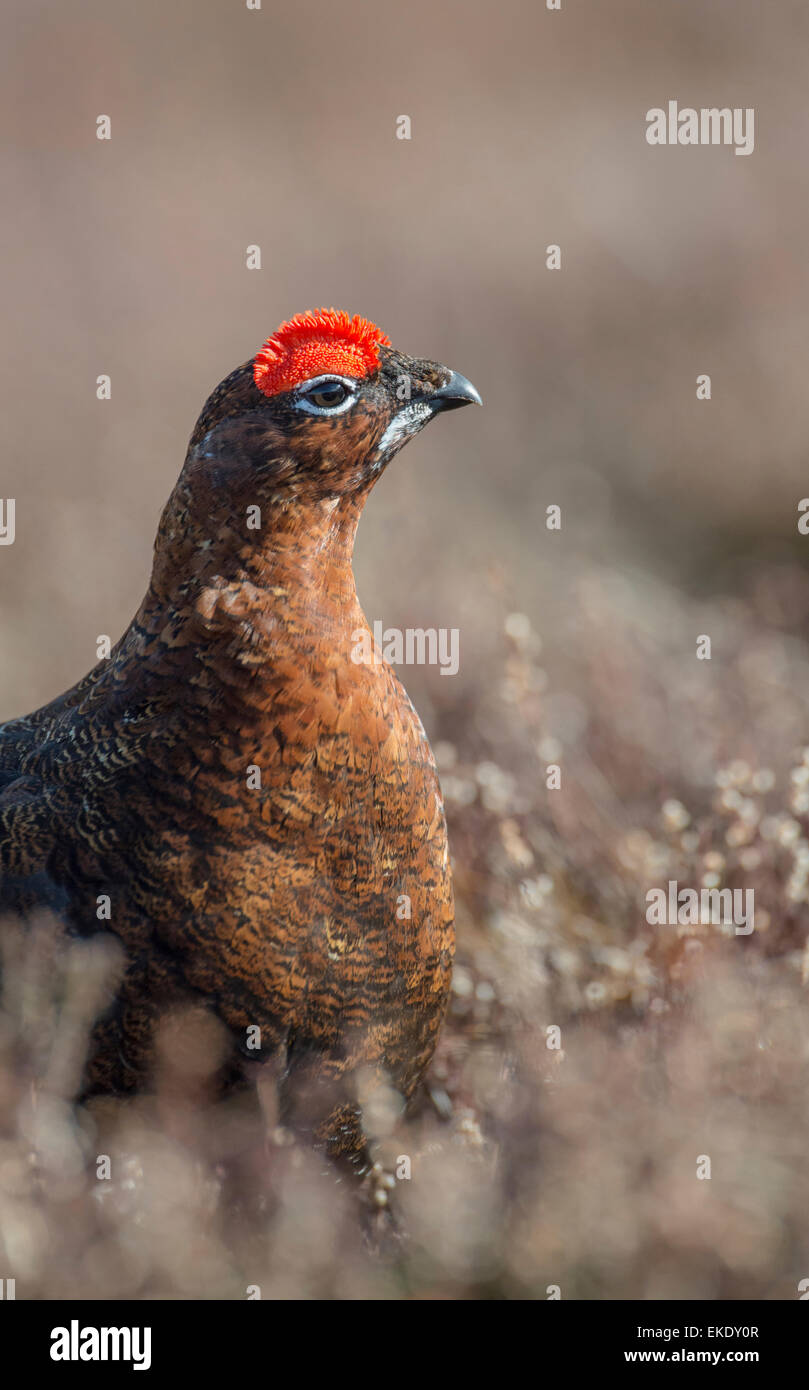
{"x": 327, "y": 395}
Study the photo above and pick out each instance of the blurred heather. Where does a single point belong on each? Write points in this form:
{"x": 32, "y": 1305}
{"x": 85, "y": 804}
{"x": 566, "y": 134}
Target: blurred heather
{"x": 531, "y": 1166}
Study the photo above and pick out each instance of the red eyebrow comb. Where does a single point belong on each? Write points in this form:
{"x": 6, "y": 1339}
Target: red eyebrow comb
{"x": 314, "y": 343}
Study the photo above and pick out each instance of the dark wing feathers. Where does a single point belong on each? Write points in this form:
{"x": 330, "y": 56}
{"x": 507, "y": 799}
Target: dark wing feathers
{"x": 35, "y": 756}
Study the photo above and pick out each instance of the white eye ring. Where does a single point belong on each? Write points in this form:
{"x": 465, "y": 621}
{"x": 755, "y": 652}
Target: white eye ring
{"x": 301, "y": 403}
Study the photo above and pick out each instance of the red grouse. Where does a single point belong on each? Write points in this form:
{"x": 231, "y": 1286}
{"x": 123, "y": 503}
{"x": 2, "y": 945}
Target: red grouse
{"x": 260, "y": 807}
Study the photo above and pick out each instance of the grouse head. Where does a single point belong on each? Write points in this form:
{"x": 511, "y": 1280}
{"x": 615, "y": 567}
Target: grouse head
{"x": 299, "y": 435}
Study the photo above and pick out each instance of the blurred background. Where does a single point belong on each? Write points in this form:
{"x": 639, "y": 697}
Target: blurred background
{"x": 533, "y": 1167}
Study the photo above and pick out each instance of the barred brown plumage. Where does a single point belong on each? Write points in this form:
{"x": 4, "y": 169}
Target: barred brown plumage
{"x": 261, "y": 809}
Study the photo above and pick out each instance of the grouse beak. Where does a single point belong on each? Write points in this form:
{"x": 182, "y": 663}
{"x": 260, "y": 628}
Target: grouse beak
{"x": 456, "y": 392}
{"x": 424, "y": 407}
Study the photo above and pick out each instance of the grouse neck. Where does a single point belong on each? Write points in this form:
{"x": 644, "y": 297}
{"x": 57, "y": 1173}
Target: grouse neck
{"x": 242, "y": 606}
